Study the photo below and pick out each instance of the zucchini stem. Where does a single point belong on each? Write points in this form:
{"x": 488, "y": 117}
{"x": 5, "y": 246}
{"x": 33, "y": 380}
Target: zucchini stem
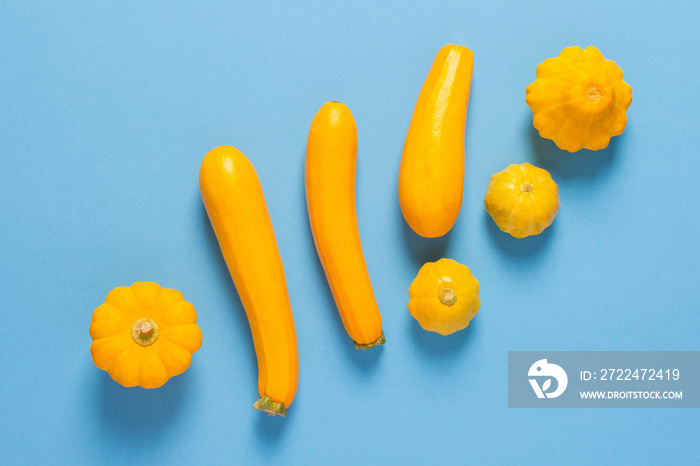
{"x": 380, "y": 341}
{"x": 272, "y": 408}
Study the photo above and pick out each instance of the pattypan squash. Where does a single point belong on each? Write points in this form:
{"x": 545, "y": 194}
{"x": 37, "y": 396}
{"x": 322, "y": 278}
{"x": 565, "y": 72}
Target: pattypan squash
{"x": 444, "y": 296}
{"x": 522, "y": 199}
{"x": 144, "y": 334}
{"x": 579, "y": 99}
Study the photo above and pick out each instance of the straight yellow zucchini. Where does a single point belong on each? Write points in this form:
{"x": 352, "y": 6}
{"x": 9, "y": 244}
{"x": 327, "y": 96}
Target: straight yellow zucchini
{"x": 331, "y": 158}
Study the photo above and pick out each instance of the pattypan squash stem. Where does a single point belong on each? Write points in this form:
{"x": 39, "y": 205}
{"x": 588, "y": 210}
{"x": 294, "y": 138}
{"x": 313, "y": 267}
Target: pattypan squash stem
{"x": 145, "y": 332}
{"x": 447, "y": 296}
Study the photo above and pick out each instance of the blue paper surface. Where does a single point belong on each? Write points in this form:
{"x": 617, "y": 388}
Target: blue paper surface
{"x": 106, "y": 112}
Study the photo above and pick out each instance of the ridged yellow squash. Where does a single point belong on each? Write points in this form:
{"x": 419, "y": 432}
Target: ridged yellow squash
{"x": 522, "y": 199}
{"x": 144, "y": 334}
{"x": 444, "y": 296}
{"x": 579, "y": 99}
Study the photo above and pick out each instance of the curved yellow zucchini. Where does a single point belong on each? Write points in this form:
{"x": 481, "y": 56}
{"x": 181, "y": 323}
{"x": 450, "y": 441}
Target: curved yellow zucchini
{"x": 234, "y": 201}
{"x": 431, "y": 177}
{"x": 331, "y": 157}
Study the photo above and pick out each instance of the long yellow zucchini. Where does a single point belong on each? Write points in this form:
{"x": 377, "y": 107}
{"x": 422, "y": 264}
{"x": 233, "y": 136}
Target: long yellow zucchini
{"x": 431, "y": 177}
{"x": 331, "y": 157}
{"x": 234, "y": 201}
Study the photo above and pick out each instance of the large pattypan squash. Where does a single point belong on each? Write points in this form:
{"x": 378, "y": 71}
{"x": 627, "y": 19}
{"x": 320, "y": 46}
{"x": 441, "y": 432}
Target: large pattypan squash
{"x": 444, "y": 296}
{"x": 522, "y": 199}
{"x": 144, "y": 334}
{"x": 579, "y": 99}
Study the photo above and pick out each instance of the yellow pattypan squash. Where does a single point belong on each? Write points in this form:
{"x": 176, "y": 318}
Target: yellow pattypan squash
{"x": 444, "y": 297}
{"x": 579, "y": 99}
{"x": 522, "y": 199}
{"x": 144, "y": 334}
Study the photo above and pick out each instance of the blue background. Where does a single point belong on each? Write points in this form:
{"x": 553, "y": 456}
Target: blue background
{"x": 106, "y": 113}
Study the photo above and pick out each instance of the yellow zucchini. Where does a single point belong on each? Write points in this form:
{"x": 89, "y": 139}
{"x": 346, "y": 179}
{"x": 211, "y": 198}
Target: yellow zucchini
{"x": 331, "y": 157}
{"x": 234, "y": 201}
{"x": 431, "y": 177}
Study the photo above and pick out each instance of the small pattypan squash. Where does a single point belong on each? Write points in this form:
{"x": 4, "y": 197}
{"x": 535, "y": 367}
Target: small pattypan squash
{"x": 522, "y": 199}
{"x": 444, "y": 297}
{"x": 144, "y": 334}
{"x": 579, "y": 99}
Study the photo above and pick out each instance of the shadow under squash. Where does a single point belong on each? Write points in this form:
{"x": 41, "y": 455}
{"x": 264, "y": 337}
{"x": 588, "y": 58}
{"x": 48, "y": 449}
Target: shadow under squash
{"x": 519, "y": 247}
{"x": 272, "y": 428}
{"x": 437, "y": 344}
{"x": 421, "y": 249}
{"x": 563, "y": 164}
{"x": 139, "y": 413}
